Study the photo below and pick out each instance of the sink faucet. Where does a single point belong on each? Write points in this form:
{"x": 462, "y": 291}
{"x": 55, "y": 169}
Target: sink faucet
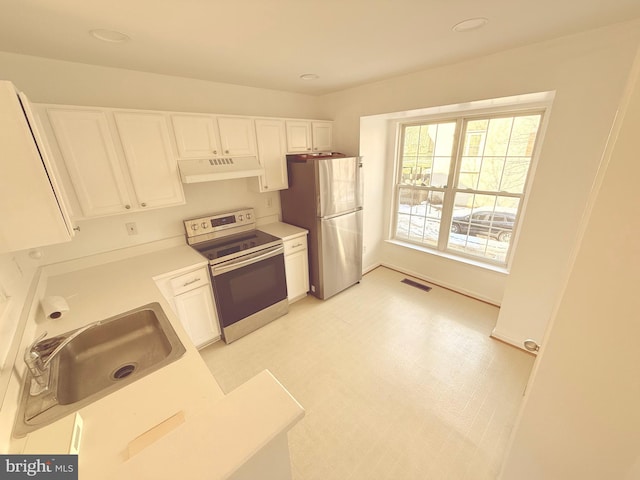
{"x": 41, "y": 369}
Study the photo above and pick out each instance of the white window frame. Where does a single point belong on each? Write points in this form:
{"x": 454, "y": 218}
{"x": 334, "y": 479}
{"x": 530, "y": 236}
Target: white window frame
{"x": 461, "y": 116}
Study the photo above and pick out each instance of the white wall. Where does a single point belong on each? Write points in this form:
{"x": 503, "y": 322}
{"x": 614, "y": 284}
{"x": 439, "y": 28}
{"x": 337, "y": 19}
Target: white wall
{"x": 581, "y": 415}
{"x": 54, "y": 81}
{"x": 587, "y": 72}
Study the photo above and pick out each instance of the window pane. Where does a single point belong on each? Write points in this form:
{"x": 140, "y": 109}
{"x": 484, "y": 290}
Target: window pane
{"x": 411, "y": 138}
{"x": 419, "y": 215}
{"x": 428, "y": 135}
{"x": 502, "y": 162}
{"x": 440, "y": 173}
{"x": 416, "y": 170}
{"x": 469, "y": 172}
{"x": 523, "y": 137}
{"x": 515, "y": 174}
{"x": 444, "y": 142}
{"x": 491, "y": 173}
{"x": 498, "y": 134}
{"x": 421, "y": 143}
{"x": 482, "y": 225}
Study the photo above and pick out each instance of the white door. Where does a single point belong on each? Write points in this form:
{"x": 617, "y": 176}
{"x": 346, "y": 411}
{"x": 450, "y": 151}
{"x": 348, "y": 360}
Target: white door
{"x": 237, "y": 136}
{"x": 298, "y": 136}
{"x": 322, "y": 136}
{"x": 196, "y": 136}
{"x": 272, "y": 149}
{"x": 197, "y": 314}
{"x": 89, "y": 153}
{"x": 152, "y": 166}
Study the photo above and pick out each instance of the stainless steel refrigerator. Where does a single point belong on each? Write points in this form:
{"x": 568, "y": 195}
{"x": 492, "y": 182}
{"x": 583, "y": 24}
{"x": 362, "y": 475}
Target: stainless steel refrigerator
{"x": 325, "y": 197}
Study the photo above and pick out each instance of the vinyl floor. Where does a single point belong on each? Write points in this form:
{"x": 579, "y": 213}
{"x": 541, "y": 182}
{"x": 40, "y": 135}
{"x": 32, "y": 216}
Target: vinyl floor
{"x": 397, "y": 383}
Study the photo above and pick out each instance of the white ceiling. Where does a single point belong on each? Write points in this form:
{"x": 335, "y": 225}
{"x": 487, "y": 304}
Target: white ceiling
{"x": 270, "y": 43}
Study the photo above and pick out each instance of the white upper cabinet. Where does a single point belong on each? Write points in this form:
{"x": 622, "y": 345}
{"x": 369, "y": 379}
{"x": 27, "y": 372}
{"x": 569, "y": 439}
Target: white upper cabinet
{"x": 298, "y": 136}
{"x": 206, "y": 136}
{"x": 237, "y": 136}
{"x": 272, "y": 149}
{"x": 32, "y": 207}
{"x": 309, "y": 136}
{"x": 196, "y": 136}
{"x": 90, "y": 156}
{"x": 321, "y": 133}
{"x": 118, "y": 162}
{"x": 152, "y": 166}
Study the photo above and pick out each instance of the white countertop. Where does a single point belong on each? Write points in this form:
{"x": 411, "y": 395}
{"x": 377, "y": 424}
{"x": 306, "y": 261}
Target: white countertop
{"x": 220, "y": 432}
{"x": 284, "y": 231}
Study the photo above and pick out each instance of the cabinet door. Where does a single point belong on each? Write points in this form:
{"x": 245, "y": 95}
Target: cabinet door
{"x": 297, "y": 272}
{"x": 89, "y": 153}
{"x": 237, "y": 136}
{"x": 152, "y": 166}
{"x": 198, "y": 315}
{"x": 272, "y": 149}
{"x": 30, "y": 206}
{"x": 322, "y": 132}
{"x": 196, "y": 136}
{"x": 298, "y": 136}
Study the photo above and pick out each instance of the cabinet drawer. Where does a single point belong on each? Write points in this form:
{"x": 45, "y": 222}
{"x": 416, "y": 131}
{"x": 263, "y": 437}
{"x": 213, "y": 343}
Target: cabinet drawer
{"x": 189, "y": 281}
{"x": 295, "y": 245}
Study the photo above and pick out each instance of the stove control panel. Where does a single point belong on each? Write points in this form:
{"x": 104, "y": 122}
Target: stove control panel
{"x": 242, "y": 220}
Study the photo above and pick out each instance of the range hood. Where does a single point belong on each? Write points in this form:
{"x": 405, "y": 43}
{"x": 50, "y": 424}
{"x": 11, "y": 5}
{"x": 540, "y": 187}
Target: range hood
{"x": 221, "y": 168}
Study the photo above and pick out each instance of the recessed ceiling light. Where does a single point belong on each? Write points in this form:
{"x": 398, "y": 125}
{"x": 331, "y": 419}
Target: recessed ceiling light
{"x": 470, "y": 24}
{"x": 309, "y": 76}
{"x": 109, "y": 35}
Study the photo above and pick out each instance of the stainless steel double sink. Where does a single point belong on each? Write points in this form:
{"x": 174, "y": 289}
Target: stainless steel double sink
{"x": 106, "y": 357}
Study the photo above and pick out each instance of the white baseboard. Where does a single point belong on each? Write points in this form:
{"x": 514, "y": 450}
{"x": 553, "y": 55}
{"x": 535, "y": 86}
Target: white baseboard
{"x": 370, "y": 268}
{"x": 439, "y": 283}
{"x": 510, "y": 340}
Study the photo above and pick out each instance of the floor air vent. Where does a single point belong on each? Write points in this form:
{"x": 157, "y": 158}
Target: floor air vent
{"x": 416, "y": 284}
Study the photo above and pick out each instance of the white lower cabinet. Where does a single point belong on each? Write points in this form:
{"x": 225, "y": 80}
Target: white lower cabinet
{"x": 296, "y": 265}
{"x": 296, "y": 259}
{"x": 191, "y": 298}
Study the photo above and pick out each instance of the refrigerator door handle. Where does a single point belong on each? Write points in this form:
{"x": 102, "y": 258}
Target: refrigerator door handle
{"x": 340, "y": 214}
{"x": 360, "y": 183}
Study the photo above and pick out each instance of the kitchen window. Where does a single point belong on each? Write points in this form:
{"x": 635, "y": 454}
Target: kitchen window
{"x": 461, "y": 183}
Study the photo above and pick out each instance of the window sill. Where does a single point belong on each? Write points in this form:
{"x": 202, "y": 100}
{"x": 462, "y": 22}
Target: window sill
{"x": 449, "y": 256}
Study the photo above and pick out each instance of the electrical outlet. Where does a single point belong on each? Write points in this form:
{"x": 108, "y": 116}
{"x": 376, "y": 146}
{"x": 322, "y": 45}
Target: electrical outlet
{"x": 132, "y": 228}
{"x": 269, "y": 201}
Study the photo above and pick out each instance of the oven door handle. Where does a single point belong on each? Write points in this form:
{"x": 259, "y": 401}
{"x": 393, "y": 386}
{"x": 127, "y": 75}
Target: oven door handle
{"x": 234, "y": 265}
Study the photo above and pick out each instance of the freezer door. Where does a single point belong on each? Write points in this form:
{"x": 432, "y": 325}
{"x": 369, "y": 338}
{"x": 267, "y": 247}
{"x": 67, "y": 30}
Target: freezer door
{"x": 340, "y": 253}
{"x": 338, "y": 185}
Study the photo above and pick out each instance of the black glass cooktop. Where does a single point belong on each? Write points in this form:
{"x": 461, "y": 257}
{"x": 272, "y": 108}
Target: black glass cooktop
{"x": 232, "y": 245}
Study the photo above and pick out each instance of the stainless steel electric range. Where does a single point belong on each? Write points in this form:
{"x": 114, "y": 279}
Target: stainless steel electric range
{"x": 247, "y": 270}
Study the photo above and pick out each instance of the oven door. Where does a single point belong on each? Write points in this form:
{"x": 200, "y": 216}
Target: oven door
{"x": 245, "y": 285}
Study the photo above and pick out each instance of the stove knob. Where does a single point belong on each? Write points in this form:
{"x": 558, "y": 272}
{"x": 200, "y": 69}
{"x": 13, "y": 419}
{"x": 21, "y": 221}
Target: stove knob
{"x": 248, "y": 216}
{"x": 204, "y": 225}
{"x": 240, "y": 217}
{"x": 194, "y": 226}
